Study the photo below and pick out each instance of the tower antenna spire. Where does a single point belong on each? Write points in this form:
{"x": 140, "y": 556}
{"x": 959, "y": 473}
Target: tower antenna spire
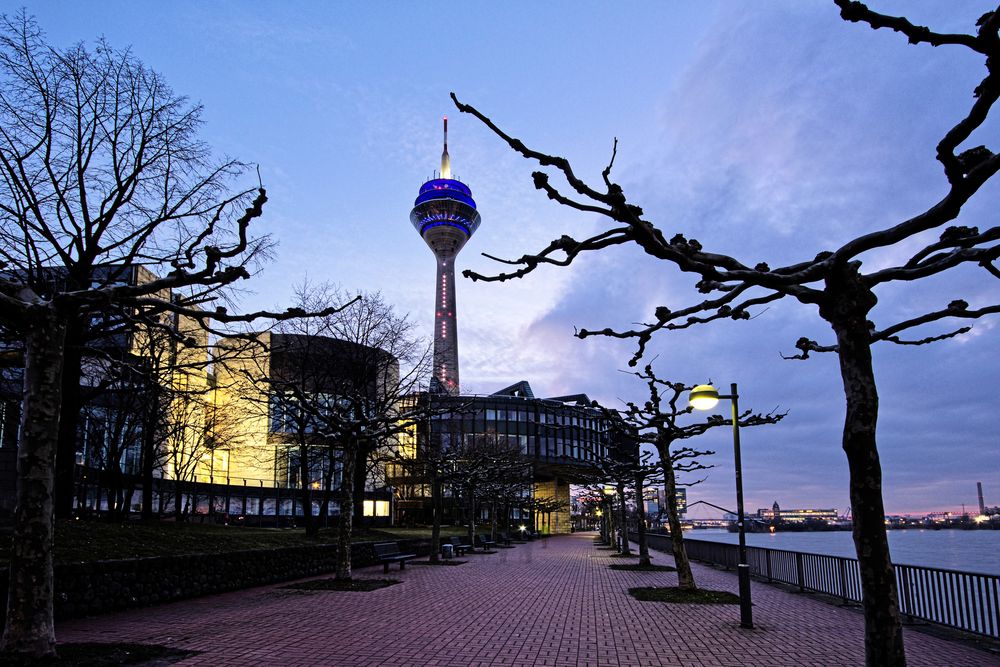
{"x": 445, "y": 159}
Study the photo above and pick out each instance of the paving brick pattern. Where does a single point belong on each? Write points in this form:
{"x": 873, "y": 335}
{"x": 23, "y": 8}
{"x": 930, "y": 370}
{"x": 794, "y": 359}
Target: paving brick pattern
{"x": 551, "y": 603}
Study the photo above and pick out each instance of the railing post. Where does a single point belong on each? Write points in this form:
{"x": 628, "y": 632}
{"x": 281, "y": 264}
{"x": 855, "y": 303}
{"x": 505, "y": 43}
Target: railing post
{"x": 906, "y": 599}
{"x": 996, "y": 610}
{"x": 843, "y": 580}
{"x": 211, "y": 497}
{"x": 260, "y": 504}
{"x": 964, "y": 601}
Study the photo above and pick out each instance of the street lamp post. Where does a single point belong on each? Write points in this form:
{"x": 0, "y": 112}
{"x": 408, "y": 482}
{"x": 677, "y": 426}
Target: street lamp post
{"x": 705, "y": 397}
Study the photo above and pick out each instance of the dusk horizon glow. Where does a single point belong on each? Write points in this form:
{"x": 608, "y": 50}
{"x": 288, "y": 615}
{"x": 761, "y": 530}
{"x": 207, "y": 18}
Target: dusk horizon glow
{"x": 771, "y": 132}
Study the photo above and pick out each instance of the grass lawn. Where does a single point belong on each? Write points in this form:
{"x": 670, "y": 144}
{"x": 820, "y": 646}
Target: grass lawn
{"x": 105, "y": 655}
{"x": 349, "y": 585}
{"x": 673, "y": 594}
{"x": 97, "y": 540}
{"x": 636, "y": 567}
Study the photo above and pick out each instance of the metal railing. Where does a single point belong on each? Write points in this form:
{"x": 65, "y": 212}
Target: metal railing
{"x": 966, "y": 601}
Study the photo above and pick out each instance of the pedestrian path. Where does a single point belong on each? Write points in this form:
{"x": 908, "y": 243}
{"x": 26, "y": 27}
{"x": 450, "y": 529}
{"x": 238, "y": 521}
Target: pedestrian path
{"x": 552, "y": 603}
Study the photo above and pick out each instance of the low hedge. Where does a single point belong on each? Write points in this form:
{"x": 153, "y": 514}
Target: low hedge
{"x": 101, "y": 586}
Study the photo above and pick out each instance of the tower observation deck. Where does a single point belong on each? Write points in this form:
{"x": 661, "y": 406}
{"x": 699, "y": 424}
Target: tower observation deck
{"x": 445, "y": 215}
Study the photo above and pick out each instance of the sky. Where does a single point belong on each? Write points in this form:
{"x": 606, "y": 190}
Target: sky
{"x": 767, "y": 131}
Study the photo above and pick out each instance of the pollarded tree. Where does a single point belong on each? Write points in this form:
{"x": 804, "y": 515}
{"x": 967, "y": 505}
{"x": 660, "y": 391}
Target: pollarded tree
{"x": 629, "y": 476}
{"x": 833, "y": 282}
{"x": 616, "y": 473}
{"x": 645, "y": 474}
{"x": 627, "y": 465}
{"x": 100, "y": 166}
{"x": 660, "y": 423}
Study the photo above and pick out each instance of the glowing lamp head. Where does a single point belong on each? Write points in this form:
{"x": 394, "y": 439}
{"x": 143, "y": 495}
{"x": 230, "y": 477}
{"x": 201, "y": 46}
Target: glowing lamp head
{"x": 704, "y": 397}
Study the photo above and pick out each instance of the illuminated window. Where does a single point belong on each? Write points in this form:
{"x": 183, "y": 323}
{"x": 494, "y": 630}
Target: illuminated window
{"x": 408, "y": 442}
{"x": 376, "y": 508}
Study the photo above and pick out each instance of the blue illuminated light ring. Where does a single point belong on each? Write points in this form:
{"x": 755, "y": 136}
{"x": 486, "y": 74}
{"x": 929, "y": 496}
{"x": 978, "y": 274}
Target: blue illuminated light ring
{"x": 444, "y": 188}
{"x": 447, "y": 223}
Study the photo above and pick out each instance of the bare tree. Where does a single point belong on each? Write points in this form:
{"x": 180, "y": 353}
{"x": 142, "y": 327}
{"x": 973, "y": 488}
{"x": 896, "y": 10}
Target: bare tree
{"x": 832, "y": 281}
{"x": 336, "y": 387}
{"x": 189, "y": 434}
{"x": 430, "y": 463}
{"x": 484, "y": 468}
{"x": 289, "y": 387}
{"x": 616, "y": 474}
{"x": 508, "y": 486}
{"x": 151, "y": 383}
{"x": 660, "y": 423}
{"x": 646, "y": 473}
{"x": 100, "y": 166}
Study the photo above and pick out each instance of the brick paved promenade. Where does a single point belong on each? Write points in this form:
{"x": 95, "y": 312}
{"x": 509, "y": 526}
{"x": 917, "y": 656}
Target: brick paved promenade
{"x": 553, "y": 602}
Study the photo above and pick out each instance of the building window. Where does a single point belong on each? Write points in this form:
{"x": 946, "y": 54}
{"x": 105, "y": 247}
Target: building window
{"x": 376, "y": 508}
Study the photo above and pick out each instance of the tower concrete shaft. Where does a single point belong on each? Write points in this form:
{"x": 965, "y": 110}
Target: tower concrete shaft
{"x": 445, "y": 215}
{"x": 445, "y": 329}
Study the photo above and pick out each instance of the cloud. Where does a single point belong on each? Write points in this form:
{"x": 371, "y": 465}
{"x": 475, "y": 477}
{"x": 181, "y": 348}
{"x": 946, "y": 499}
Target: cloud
{"x": 788, "y": 134}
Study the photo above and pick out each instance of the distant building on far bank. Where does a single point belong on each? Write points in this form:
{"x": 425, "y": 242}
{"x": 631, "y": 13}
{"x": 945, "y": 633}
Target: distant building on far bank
{"x": 778, "y": 515}
{"x": 656, "y": 505}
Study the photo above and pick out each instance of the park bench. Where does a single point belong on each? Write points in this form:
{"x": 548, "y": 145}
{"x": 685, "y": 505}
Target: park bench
{"x": 460, "y": 548}
{"x": 504, "y": 539}
{"x": 484, "y": 542}
{"x": 388, "y": 552}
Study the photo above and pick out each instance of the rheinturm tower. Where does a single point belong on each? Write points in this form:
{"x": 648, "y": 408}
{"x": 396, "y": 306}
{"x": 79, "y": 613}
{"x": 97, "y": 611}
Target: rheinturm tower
{"x": 445, "y": 215}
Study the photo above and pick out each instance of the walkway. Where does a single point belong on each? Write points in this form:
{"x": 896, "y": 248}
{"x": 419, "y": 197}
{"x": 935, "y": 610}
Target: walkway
{"x": 554, "y": 602}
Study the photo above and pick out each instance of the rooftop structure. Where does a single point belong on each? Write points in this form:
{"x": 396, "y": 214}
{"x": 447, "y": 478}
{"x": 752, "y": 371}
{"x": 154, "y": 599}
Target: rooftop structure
{"x": 445, "y": 215}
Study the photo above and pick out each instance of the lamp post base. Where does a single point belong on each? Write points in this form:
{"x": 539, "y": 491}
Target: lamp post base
{"x": 746, "y": 606}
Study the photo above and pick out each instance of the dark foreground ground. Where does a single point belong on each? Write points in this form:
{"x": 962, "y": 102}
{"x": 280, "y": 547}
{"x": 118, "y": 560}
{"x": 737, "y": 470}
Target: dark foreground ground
{"x": 554, "y": 602}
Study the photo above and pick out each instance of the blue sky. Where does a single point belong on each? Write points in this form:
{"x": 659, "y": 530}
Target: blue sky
{"x": 770, "y": 131}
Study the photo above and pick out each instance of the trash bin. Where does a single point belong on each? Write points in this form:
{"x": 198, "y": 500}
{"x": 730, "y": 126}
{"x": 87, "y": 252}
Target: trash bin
{"x": 447, "y": 550}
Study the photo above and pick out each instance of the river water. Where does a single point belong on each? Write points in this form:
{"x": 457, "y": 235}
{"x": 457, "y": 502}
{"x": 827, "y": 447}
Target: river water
{"x": 965, "y": 550}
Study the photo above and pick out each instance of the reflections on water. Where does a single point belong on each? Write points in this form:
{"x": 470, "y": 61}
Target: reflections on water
{"x": 966, "y": 550}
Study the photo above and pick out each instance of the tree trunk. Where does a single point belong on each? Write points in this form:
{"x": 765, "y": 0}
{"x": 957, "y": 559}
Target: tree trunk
{"x": 437, "y": 508}
{"x": 609, "y": 518}
{"x": 346, "y": 523}
{"x": 147, "y": 457}
{"x": 847, "y": 314}
{"x": 113, "y": 479}
{"x": 472, "y": 517}
{"x": 29, "y": 628}
{"x": 685, "y": 577}
{"x": 324, "y": 506}
{"x": 178, "y": 499}
{"x": 623, "y": 522}
{"x": 71, "y": 402}
{"x": 493, "y": 520}
{"x": 361, "y": 481}
{"x": 640, "y": 512}
{"x": 305, "y": 495}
